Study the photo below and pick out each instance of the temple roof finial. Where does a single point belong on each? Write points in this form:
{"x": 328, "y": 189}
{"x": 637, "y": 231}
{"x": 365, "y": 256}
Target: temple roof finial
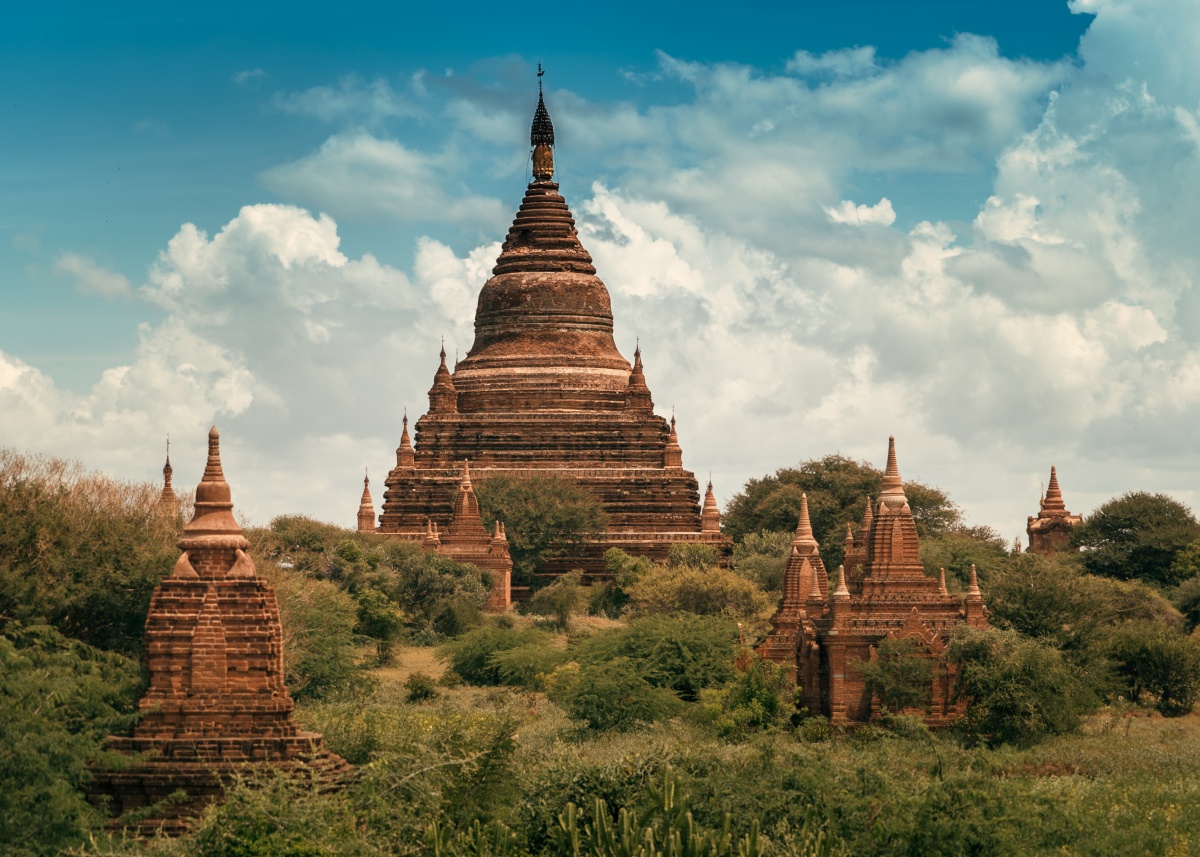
{"x": 541, "y": 137}
{"x": 804, "y": 530}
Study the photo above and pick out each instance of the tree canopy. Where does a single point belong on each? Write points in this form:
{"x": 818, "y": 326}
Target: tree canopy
{"x": 544, "y": 517}
{"x": 1138, "y": 536}
{"x": 837, "y": 488}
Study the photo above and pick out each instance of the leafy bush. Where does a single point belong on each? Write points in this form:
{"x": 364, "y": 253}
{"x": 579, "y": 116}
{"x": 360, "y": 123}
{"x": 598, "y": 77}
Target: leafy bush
{"x": 80, "y": 551}
{"x": 705, "y": 592}
{"x": 472, "y": 656}
{"x": 420, "y": 688}
{"x": 58, "y": 699}
{"x": 611, "y": 598}
{"x": 1157, "y": 660}
{"x": 762, "y": 558}
{"x": 695, "y": 556}
{"x": 615, "y": 695}
{"x": 1138, "y": 536}
{"x": 320, "y": 649}
{"x": 685, "y": 653}
{"x": 1018, "y": 690}
{"x": 560, "y": 599}
{"x": 901, "y": 674}
{"x": 759, "y": 698}
{"x": 527, "y": 665}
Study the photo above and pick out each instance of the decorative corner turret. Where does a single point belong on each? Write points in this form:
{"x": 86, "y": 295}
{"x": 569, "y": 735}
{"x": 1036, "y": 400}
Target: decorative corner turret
{"x": 443, "y": 398}
{"x": 673, "y": 454}
{"x": 366, "y": 508}
{"x": 406, "y": 457}
{"x": 710, "y": 515}
{"x": 168, "y": 502}
{"x": 637, "y": 393}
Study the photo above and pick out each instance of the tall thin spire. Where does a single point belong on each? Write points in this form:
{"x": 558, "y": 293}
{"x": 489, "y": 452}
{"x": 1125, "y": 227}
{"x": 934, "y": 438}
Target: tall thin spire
{"x": 214, "y": 500}
{"x": 541, "y": 137}
{"x": 893, "y": 487}
{"x": 168, "y": 502}
{"x": 366, "y": 506}
{"x": 804, "y": 531}
{"x": 710, "y": 515}
{"x": 1054, "y": 498}
{"x": 673, "y": 453}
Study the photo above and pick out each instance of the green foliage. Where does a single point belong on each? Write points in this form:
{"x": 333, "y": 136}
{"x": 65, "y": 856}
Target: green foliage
{"x": 1186, "y": 565}
{"x": 837, "y": 489}
{"x": 1164, "y": 663}
{"x": 759, "y": 698}
{"x": 58, "y": 699}
{"x": 694, "y": 556}
{"x": 472, "y": 656}
{"x": 1138, "y": 536}
{"x": 528, "y": 665}
{"x": 713, "y": 591}
{"x": 320, "y": 649}
{"x": 545, "y": 517}
{"x": 80, "y": 551}
{"x": 901, "y": 674}
{"x": 1018, "y": 690}
{"x": 615, "y": 694}
{"x": 958, "y": 550}
{"x": 560, "y": 599}
{"x": 434, "y": 594}
{"x": 681, "y": 653}
{"x": 420, "y": 688}
{"x": 379, "y": 619}
{"x": 1186, "y": 599}
{"x": 611, "y": 598}
{"x": 762, "y": 558}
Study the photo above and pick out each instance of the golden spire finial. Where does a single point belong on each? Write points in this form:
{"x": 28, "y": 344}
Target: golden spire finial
{"x": 541, "y": 137}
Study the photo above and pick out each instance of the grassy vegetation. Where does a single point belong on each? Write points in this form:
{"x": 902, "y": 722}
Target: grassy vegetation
{"x": 644, "y": 729}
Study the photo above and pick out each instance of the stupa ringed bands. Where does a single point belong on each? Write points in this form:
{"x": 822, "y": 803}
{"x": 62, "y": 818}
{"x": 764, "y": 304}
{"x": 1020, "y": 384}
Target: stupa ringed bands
{"x": 544, "y": 391}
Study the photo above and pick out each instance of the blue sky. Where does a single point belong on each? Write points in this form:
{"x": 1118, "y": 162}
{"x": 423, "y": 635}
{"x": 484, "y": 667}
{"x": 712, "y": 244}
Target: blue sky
{"x": 965, "y": 224}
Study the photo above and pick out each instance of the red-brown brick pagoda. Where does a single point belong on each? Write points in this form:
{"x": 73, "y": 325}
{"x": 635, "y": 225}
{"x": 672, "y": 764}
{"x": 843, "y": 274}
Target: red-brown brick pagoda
{"x": 544, "y": 391}
{"x": 882, "y": 592}
{"x": 217, "y": 700}
{"x": 1050, "y": 531}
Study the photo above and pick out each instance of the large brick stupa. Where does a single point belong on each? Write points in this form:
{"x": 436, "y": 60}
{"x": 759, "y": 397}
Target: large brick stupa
{"x": 544, "y": 391}
{"x": 217, "y": 702}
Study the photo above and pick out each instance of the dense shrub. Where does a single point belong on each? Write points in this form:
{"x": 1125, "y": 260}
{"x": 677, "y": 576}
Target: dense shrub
{"x": 705, "y": 592}
{"x": 762, "y": 557}
{"x": 696, "y": 556}
{"x": 611, "y": 598}
{"x": 1017, "y": 689}
{"x": 563, "y": 597}
{"x": 683, "y": 653}
{"x": 58, "y": 699}
{"x": 419, "y": 687}
{"x": 380, "y": 620}
{"x": 80, "y": 551}
{"x": 472, "y": 656}
{"x": 615, "y": 695}
{"x": 759, "y": 698}
{"x": 1156, "y": 660}
{"x": 320, "y": 649}
{"x": 901, "y": 674}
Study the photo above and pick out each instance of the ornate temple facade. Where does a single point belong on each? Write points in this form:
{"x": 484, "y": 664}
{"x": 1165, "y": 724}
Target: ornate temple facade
{"x": 881, "y": 592}
{"x": 217, "y": 700}
{"x": 1050, "y": 530}
{"x": 544, "y": 391}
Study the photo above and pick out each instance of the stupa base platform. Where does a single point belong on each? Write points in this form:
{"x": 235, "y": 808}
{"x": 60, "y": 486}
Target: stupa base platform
{"x": 166, "y": 791}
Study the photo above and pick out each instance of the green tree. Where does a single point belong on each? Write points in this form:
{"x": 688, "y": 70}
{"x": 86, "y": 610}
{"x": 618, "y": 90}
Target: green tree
{"x": 837, "y": 489}
{"x": 762, "y": 557}
{"x": 759, "y": 698}
{"x": 545, "y": 517}
{"x": 957, "y": 550}
{"x": 1018, "y": 690}
{"x": 901, "y": 674}
{"x": 379, "y": 619}
{"x": 58, "y": 699}
{"x": 1164, "y": 663}
{"x": 611, "y": 597}
{"x": 563, "y": 597}
{"x": 1138, "y": 536}
{"x": 472, "y": 655}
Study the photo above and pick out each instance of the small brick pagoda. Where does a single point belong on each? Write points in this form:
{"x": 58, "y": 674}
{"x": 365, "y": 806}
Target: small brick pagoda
{"x": 168, "y": 501}
{"x": 881, "y": 592}
{"x": 544, "y": 391}
{"x": 1050, "y": 531}
{"x": 217, "y": 700}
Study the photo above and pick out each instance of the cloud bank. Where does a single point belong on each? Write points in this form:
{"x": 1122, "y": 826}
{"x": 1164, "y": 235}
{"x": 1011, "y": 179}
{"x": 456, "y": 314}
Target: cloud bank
{"x": 780, "y": 314}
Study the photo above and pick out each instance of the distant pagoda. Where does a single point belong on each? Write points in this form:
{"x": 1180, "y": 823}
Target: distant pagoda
{"x": 545, "y": 392}
{"x": 1050, "y": 530}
